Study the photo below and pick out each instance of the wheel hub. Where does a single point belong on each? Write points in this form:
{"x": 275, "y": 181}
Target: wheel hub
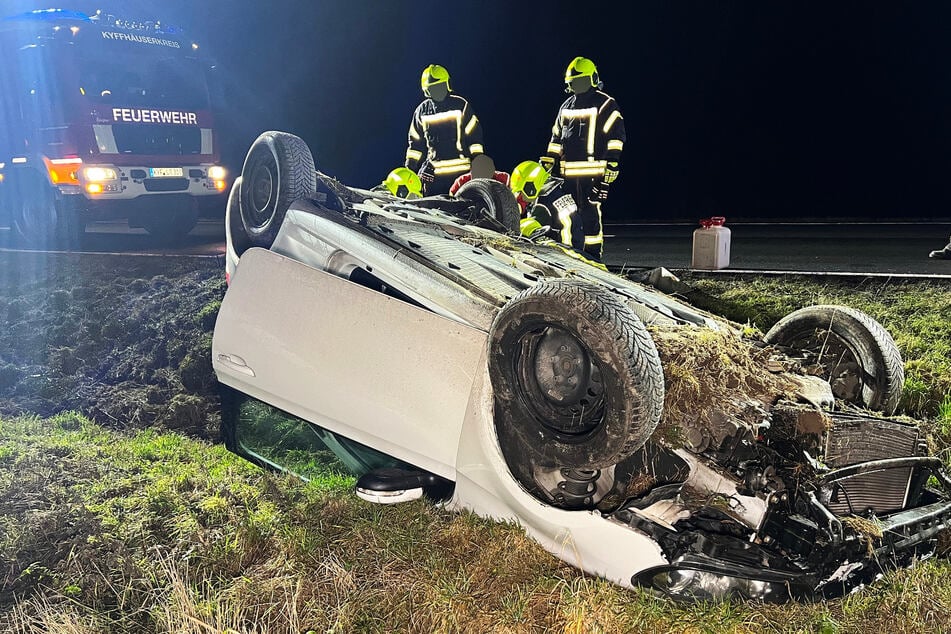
{"x": 562, "y": 368}
{"x": 262, "y": 190}
{"x": 838, "y": 362}
{"x": 560, "y": 381}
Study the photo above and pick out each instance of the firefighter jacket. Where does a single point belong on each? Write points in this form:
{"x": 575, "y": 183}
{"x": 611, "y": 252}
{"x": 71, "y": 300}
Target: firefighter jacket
{"x": 445, "y": 134}
{"x": 557, "y": 209}
{"x": 588, "y": 133}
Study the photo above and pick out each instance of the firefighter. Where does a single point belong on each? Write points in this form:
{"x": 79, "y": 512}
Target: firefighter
{"x": 402, "y": 183}
{"x": 482, "y": 167}
{"x": 544, "y": 198}
{"x": 585, "y": 146}
{"x": 444, "y": 134}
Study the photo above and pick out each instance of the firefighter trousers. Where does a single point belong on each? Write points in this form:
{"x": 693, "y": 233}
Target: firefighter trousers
{"x": 589, "y": 194}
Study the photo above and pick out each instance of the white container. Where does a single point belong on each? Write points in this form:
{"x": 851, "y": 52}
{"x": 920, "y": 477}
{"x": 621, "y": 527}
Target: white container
{"x": 711, "y": 244}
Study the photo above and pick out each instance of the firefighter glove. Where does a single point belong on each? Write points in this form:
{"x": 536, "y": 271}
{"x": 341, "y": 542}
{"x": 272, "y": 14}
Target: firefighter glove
{"x": 427, "y": 174}
{"x": 599, "y": 193}
{"x": 548, "y": 163}
{"x": 611, "y": 172}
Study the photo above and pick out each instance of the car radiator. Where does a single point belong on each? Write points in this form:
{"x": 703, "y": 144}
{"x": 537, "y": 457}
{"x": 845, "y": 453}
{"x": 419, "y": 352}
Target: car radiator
{"x": 856, "y": 438}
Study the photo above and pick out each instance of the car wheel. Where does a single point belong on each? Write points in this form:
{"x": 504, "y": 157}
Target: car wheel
{"x": 577, "y": 379}
{"x": 498, "y": 201}
{"x": 239, "y": 239}
{"x": 849, "y": 349}
{"x": 278, "y": 170}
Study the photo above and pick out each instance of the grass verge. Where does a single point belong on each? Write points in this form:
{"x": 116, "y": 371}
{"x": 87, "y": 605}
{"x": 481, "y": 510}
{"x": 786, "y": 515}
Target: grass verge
{"x": 111, "y": 531}
{"x": 917, "y": 313}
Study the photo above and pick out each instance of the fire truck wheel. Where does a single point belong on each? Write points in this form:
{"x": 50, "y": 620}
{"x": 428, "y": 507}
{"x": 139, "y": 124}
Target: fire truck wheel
{"x": 849, "y": 349}
{"x": 497, "y": 200}
{"x": 173, "y": 223}
{"x": 278, "y": 170}
{"x": 578, "y": 382}
{"x": 39, "y": 219}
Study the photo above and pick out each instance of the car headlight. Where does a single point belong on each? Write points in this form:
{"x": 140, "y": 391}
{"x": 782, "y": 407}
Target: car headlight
{"x": 705, "y": 584}
{"x": 217, "y": 173}
{"x": 99, "y": 174}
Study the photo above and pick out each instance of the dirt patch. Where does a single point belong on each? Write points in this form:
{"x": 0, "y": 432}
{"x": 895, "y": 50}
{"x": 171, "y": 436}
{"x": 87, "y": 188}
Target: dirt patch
{"x": 124, "y": 339}
{"x": 715, "y": 382}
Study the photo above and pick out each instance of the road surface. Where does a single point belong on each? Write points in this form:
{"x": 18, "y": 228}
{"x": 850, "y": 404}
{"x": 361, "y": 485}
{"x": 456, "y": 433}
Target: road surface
{"x": 206, "y": 239}
{"x": 886, "y": 249}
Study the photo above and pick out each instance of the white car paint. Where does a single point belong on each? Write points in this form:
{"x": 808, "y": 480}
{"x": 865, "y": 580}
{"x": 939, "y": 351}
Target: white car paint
{"x": 406, "y": 381}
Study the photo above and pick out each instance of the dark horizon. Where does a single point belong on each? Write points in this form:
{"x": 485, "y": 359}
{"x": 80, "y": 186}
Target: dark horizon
{"x": 782, "y": 111}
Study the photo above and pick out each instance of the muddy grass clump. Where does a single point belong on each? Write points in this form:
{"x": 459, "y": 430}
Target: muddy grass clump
{"x": 122, "y": 339}
{"x": 59, "y": 299}
{"x": 16, "y": 310}
{"x": 207, "y": 316}
{"x": 9, "y": 375}
{"x": 713, "y": 377}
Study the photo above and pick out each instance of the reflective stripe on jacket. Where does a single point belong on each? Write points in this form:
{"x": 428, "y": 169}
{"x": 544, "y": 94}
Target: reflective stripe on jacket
{"x": 588, "y": 133}
{"x": 447, "y": 133}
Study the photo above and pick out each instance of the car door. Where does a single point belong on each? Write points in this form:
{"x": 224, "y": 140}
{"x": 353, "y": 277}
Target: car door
{"x": 348, "y": 358}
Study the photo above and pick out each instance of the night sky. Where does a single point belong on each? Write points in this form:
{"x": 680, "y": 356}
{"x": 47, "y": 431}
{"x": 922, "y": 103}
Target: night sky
{"x": 752, "y": 110}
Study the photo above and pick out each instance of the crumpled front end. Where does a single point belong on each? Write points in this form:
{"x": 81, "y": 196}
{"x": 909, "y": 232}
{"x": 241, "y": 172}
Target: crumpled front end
{"x": 777, "y": 518}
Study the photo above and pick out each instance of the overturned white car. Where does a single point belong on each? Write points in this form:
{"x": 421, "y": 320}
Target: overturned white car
{"x": 437, "y": 352}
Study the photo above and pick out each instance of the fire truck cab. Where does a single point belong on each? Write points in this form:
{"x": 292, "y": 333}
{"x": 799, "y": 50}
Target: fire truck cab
{"x": 103, "y": 118}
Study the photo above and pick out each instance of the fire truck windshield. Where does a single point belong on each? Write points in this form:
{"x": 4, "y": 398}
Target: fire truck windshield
{"x": 143, "y": 81}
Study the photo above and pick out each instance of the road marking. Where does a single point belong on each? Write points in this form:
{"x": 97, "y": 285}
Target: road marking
{"x": 132, "y": 254}
{"x": 614, "y": 268}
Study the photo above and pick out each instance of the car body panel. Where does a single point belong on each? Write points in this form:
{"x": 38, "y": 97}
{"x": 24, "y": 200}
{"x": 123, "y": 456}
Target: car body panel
{"x": 584, "y": 539}
{"x": 331, "y": 246}
{"x": 314, "y": 337}
{"x": 425, "y": 398}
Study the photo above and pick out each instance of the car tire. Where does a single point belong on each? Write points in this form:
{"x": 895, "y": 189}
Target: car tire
{"x": 498, "y": 201}
{"x": 578, "y": 382}
{"x": 866, "y": 366}
{"x": 278, "y": 170}
{"x": 238, "y": 237}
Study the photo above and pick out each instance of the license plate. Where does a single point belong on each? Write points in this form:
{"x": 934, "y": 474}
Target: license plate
{"x": 166, "y": 172}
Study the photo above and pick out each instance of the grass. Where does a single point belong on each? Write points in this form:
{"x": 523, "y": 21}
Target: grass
{"x": 112, "y": 531}
{"x": 916, "y": 313}
{"x": 104, "y": 530}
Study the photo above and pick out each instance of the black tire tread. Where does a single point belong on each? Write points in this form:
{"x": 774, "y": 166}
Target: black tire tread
{"x": 240, "y": 241}
{"x": 499, "y": 199}
{"x": 640, "y": 364}
{"x": 822, "y": 315}
{"x": 297, "y": 178}
{"x": 61, "y": 226}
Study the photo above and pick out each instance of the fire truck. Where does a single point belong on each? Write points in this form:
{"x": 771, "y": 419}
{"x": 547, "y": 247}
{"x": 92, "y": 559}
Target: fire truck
{"x": 103, "y": 118}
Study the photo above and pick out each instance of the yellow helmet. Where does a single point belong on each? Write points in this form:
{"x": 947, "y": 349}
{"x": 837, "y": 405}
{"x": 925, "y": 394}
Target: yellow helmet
{"x": 529, "y": 226}
{"x": 434, "y": 74}
{"x": 404, "y": 183}
{"x": 581, "y": 67}
{"x": 528, "y": 179}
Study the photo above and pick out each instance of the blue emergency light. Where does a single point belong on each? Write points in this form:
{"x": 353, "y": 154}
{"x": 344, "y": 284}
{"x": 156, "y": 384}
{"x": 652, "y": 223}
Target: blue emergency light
{"x": 50, "y": 15}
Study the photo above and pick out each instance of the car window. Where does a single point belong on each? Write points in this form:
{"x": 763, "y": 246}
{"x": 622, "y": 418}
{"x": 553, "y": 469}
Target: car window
{"x": 268, "y": 435}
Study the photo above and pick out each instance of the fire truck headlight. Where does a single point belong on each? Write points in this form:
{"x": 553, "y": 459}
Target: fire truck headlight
{"x": 217, "y": 173}
{"x": 99, "y": 174}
